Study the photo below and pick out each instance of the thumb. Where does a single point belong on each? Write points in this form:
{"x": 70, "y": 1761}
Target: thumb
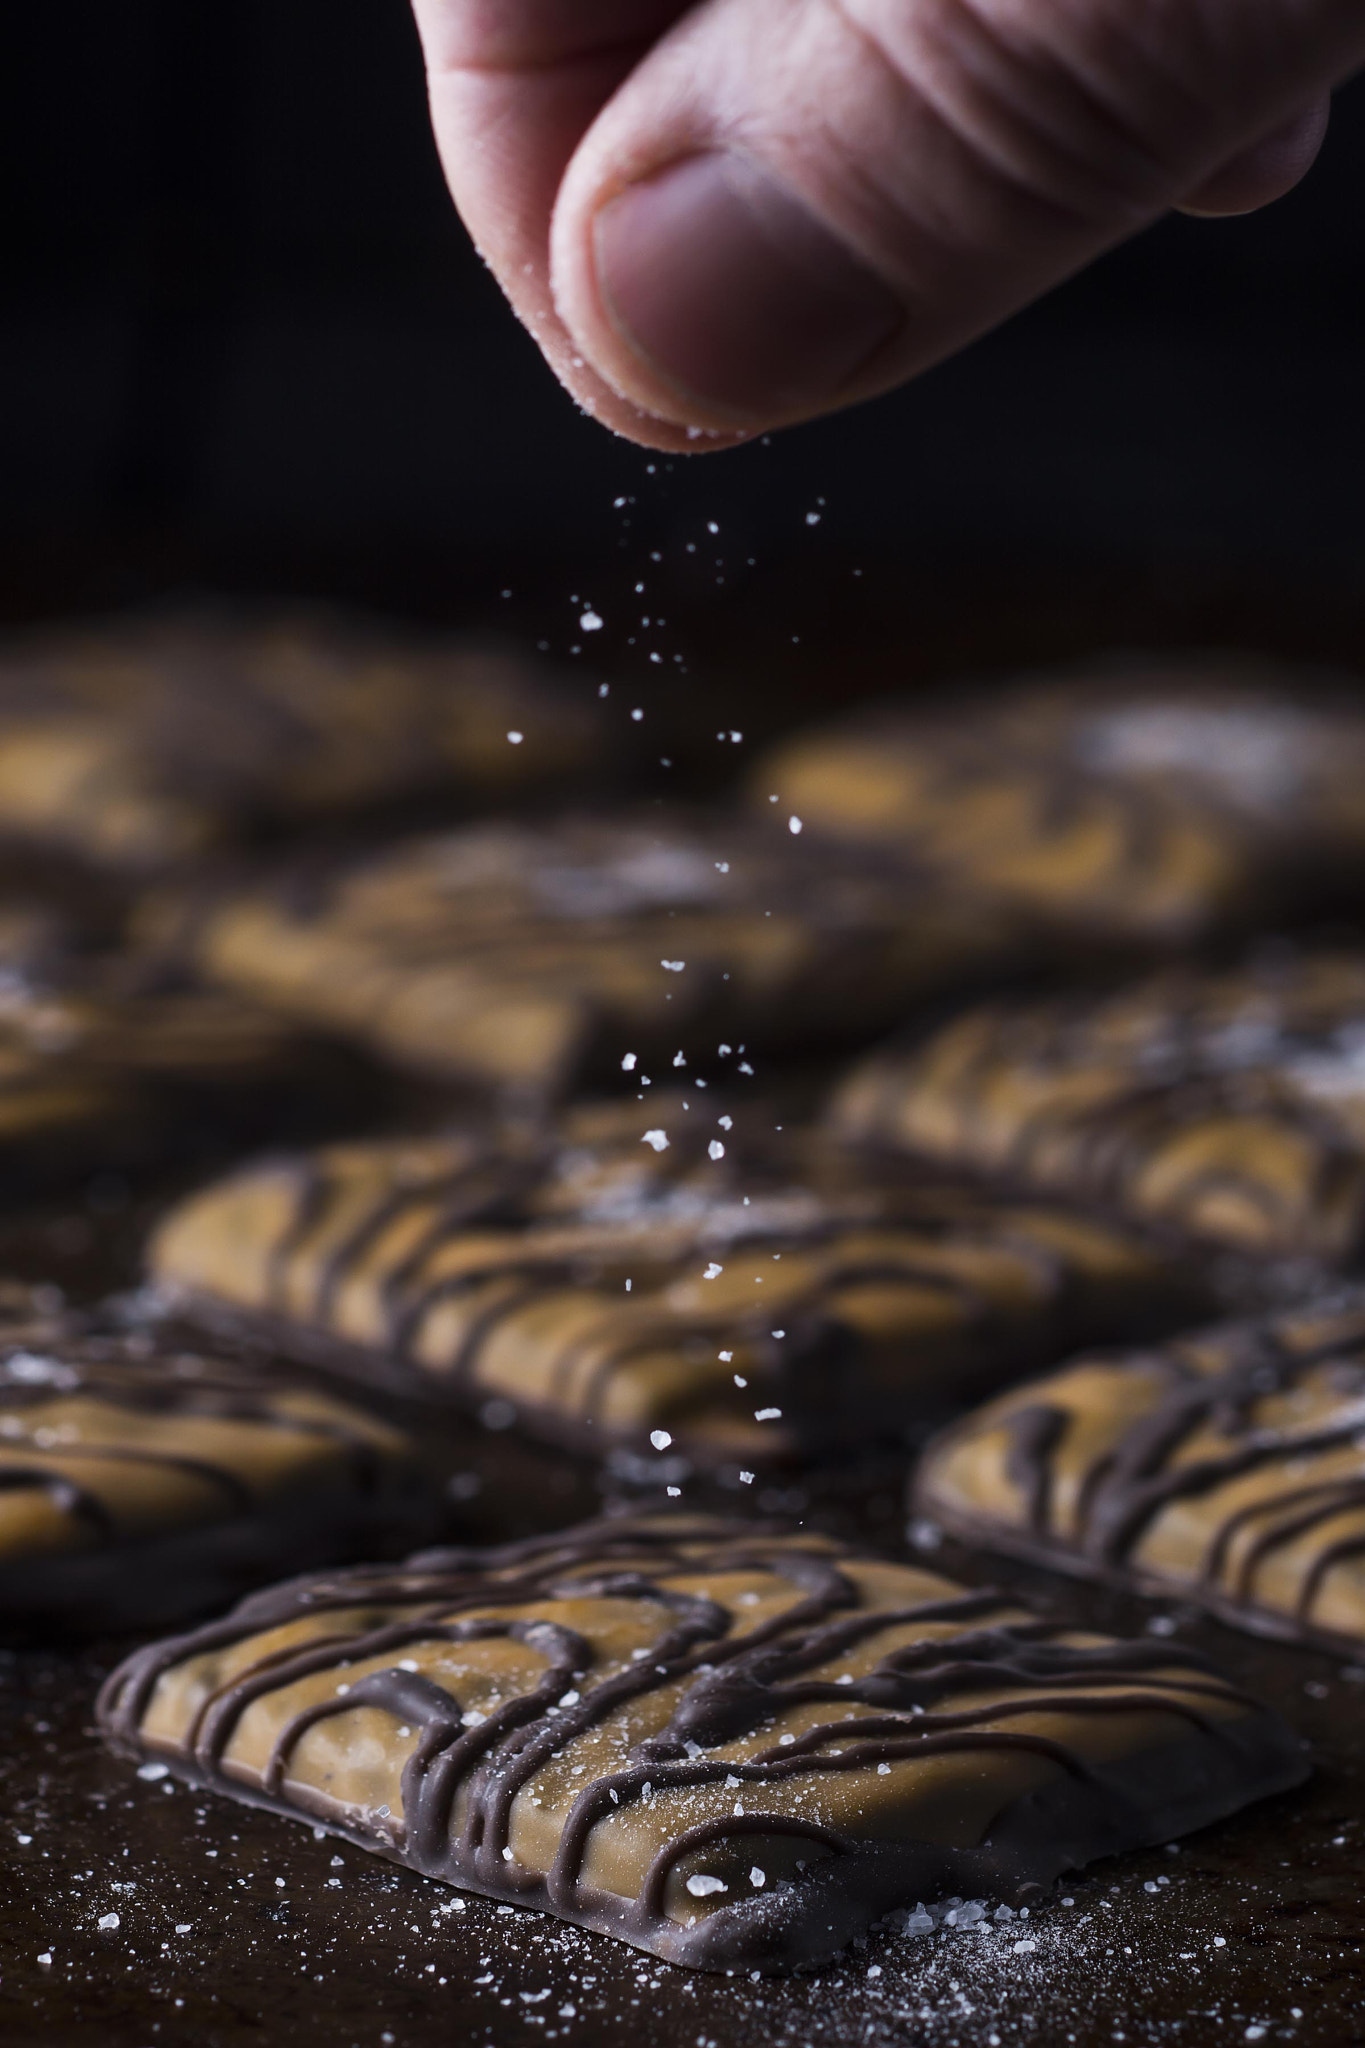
{"x": 789, "y": 205}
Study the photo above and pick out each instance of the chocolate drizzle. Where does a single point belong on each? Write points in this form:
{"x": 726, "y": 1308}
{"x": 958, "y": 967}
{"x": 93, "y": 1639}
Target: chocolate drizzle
{"x": 1204, "y": 1428}
{"x": 462, "y": 1779}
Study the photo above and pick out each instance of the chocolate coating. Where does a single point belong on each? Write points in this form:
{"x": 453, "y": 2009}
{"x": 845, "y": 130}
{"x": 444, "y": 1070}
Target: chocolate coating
{"x": 1226, "y": 1468}
{"x": 615, "y": 1292}
{"x": 729, "y": 1744}
{"x": 1230, "y": 1107}
{"x": 139, "y": 1489}
{"x": 519, "y": 956}
{"x": 1153, "y": 801}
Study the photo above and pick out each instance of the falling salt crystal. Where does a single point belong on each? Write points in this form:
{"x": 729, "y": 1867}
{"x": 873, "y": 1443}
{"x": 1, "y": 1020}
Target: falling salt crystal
{"x": 658, "y": 1139}
{"x": 591, "y": 622}
{"x": 713, "y": 1271}
{"x": 793, "y": 824}
{"x": 883, "y": 1770}
{"x": 673, "y": 967}
{"x": 711, "y": 526}
{"x": 637, "y": 715}
{"x": 746, "y": 1478}
{"x": 735, "y": 737}
{"x": 767, "y": 1415}
{"x": 779, "y": 1333}
{"x": 1219, "y": 1941}
{"x": 660, "y": 1439}
{"x": 516, "y": 738}
{"x": 151, "y": 1772}
{"x": 628, "y": 1063}
{"x": 46, "y": 1957}
{"x": 725, "y": 1358}
{"x": 700, "y": 1887}
{"x": 183, "y": 1926}
{"x": 715, "y": 1150}
{"x": 106, "y": 1923}
{"x": 925, "y": 1535}
{"x": 680, "y": 1059}
{"x": 745, "y": 1068}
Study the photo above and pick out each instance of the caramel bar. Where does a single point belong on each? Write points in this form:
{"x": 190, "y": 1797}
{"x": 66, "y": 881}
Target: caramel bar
{"x": 140, "y": 1488}
{"x": 731, "y": 1745}
{"x": 1227, "y": 1468}
{"x": 1227, "y": 1106}
{"x": 521, "y": 956}
{"x": 1154, "y": 801}
{"x": 136, "y": 743}
{"x": 607, "y": 1294}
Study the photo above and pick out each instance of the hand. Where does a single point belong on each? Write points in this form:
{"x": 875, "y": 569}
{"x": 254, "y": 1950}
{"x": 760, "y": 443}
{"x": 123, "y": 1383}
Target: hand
{"x": 725, "y": 217}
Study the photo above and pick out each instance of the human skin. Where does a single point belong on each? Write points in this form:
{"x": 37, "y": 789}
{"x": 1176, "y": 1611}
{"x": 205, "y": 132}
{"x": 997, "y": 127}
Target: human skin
{"x": 721, "y": 218}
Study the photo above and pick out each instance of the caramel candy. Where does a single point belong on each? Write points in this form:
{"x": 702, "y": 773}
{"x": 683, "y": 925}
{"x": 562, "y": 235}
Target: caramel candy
{"x": 138, "y": 742}
{"x": 1226, "y": 1468}
{"x": 1153, "y": 801}
{"x": 1230, "y": 1107}
{"x": 732, "y": 1745}
{"x": 94, "y": 1080}
{"x": 139, "y": 1489}
{"x": 519, "y": 955}
{"x": 656, "y": 1286}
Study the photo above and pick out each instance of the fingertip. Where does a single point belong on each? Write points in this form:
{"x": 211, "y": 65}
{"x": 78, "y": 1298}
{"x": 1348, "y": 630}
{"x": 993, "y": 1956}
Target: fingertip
{"x": 1258, "y": 176}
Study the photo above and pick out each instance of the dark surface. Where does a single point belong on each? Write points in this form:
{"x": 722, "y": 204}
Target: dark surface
{"x": 1256, "y": 1923}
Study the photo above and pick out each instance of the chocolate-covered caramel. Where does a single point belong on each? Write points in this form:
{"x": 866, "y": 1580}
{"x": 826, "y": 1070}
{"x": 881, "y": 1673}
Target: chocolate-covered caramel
{"x": 1228, "y": 1106}
{"x": 139, "y": 1488}
{"x": 518, "y": 955}
{"x": 1150, "y": 801}
{"x": 1226, "y": 1468}
{"x": 733, "y": 1745}
{"x": 666, "y": 1286}
{"x": 138, "y": 742}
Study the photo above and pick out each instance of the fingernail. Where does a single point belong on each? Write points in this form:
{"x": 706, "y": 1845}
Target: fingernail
{"x": 734, "y": 292}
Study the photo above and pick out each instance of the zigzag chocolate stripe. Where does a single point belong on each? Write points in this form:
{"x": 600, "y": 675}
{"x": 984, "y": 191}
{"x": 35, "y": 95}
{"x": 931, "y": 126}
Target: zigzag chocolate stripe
{"x": 671, "y": 1716}
{"x": 1229, "y": 1468}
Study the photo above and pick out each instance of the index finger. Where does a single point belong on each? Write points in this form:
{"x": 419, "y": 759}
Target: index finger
{"x": 514, "y": 86}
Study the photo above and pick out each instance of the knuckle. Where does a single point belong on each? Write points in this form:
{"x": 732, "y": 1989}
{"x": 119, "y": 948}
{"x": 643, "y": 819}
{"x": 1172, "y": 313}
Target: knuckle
{"x": 1066, "y": 106}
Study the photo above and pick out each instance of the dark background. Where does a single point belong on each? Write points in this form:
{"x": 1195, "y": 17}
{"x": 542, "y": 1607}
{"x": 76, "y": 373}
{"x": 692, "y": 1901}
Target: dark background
{"x": 244, "y": 344}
